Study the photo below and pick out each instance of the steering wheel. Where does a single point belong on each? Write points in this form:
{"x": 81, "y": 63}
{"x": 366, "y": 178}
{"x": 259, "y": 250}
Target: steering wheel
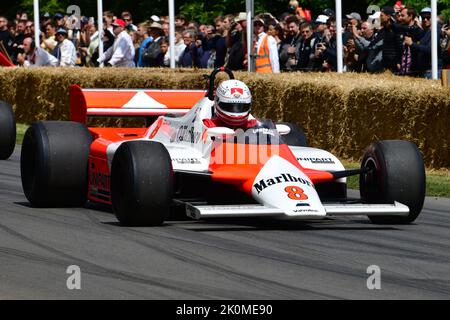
{"x": 212, "y": 78}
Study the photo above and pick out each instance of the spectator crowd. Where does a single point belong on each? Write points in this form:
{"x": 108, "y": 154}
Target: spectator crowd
{"x": 397, "y": 38}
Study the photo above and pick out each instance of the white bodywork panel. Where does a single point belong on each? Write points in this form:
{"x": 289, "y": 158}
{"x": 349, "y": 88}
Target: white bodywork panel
{"x": 275, "y": 182}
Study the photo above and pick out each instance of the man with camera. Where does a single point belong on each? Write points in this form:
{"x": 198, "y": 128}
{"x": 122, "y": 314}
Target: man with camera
{"x": 31, "y": 56}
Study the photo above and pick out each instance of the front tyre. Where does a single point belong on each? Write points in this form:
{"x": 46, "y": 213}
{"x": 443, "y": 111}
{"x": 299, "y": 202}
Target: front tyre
{"x": 397, "y": 174}
{"x": 142, "y": 183}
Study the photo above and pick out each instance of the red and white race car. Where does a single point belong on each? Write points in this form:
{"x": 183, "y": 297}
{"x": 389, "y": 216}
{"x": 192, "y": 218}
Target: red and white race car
{"x": 7, "y": 130}
{"x": 265, "y": 171}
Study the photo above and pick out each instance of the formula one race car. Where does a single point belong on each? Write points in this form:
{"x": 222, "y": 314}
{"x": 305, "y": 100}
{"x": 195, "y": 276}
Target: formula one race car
{"x": 7, "y": 131}
{"x": 216, "y": 172}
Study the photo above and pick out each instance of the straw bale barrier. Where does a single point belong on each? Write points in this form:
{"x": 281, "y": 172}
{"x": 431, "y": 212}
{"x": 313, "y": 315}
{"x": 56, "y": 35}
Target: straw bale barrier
{"x": 341, "y": 113}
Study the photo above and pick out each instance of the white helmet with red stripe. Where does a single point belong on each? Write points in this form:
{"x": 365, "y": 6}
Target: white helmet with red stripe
{"x": 233, "y": 103}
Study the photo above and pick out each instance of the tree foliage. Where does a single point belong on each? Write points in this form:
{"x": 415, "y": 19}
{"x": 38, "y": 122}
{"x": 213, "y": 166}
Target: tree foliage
{"x": 202, "y": 10}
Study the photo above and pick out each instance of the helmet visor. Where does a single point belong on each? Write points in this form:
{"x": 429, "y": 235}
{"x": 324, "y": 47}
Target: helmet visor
{"x": 235, "y": 107}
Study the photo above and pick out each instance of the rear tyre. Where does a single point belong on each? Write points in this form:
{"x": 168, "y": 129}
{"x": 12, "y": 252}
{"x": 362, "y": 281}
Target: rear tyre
{"x": 7, "y": 131}
{"x": 398, "y": 174}
{"x": 296, "y": 137}
{"x": 54, "y": 163}
{"x": 142, "y": 183}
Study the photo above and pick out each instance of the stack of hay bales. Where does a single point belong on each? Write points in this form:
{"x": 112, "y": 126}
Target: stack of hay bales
{"x": 342, "y": 113}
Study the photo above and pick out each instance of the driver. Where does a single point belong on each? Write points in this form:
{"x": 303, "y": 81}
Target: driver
{"x": 232, "y": 106}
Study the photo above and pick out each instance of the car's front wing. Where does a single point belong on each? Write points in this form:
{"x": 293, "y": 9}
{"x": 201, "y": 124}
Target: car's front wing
{"x": 256, "y": 210}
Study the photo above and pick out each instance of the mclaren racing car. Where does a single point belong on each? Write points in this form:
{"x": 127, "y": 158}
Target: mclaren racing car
{"x": 210, "y": 172}
{"x": 7, "y": 131}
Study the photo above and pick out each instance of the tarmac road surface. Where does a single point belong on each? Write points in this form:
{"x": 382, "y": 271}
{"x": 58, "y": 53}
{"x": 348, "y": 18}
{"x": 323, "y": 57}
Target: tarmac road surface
{"x": 244, "y": 259}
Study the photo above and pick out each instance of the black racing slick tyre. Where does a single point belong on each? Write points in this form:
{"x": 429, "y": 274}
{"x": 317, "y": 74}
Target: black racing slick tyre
{"x": 7, "y": 131}
{"x": 54, "y": 163}
{"x": 296, "y": 137}
{"x": 397, "y": 174}
{"x": 142, "y": 183}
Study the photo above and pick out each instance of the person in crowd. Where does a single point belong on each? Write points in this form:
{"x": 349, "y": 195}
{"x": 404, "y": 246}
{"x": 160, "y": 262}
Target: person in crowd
{"x": 190, "y": 57}
{"x": 5, "y": 36}
{"x": 143, "y": 32}
{"x": 368, "y": 49}
{"x": 305, "y": 51}
{"x": 122, "y": 52}
{"x": 410, "y": 31}
{"x": 217, "y": 43}
{"x": 49, "y": 42}
{"x": 153, "y": 55}
{"x": 34, "y": 56}
{"x": 166, "y": 28}
{"x": 59, "y": 21}
{"x": 180, "y": 20}
{"x": 164, "y": 44}
{"x": 66, "y": 53}
{"x": 391, "y": 40}
{"x": 127, "y": 17}
{"x": 422, "y": 48}
{"x": 290, "y": 46}
{"x": 265, "y": 49}
{"x": 237, "y": 43}
{"x": 90, "y": 38}
{"x": 446, "y": 46}
{"x": 46, "y": 19}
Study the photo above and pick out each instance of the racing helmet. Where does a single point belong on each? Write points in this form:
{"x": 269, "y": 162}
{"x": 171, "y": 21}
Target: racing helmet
{"x": 232, "y": 104}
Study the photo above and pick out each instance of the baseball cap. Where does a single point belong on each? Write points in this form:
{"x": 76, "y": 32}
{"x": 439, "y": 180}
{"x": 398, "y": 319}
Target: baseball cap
{"x": 58, "y": 16}
{"x": 321, "y": 19}
{"x": 329, "y": 12}
{"x": 354, "y": 15}
{"x": 388, "y": 10}
{"x": 46, "y": 15}
{"x": 426, "y": 10}
{"x": 119, "y": 23}
{"x": 61, "y": 31}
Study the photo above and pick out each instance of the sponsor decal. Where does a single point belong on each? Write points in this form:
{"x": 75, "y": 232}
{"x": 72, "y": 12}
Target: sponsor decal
{"x": 101, "y": 181}
{"x": 238, "y": 90}
{"x": 263, "y": 131}
{"x": 317, "y": 160}
{"x": 187, "y": 134}
{"x": 283, "y": 178}
{"x": 302, "y": 205}
{"x": 296, "y": 193}
{"x": 186, "y": 160}
{"x": 306, "y": 211}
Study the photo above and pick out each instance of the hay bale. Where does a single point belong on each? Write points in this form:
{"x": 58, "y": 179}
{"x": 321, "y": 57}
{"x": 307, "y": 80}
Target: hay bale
{"x": 342, "y": 113}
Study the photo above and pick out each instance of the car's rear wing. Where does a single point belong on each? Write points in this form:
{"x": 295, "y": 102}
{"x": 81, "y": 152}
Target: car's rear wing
{"x": 85, "y": 103}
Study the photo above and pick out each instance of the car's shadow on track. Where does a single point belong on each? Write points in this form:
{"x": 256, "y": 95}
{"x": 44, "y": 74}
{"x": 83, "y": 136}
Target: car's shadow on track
{"x": 247, "y": 224}
{"x": 274, "y": 225}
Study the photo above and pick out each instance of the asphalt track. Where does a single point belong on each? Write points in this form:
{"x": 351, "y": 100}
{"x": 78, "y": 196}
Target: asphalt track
{"x": 216, "y": 259}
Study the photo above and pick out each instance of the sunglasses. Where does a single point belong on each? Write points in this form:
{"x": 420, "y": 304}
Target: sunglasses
{"x": 426, "y": 18}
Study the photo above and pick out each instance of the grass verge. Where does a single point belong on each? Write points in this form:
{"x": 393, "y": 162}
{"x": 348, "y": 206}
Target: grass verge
{"x": 438, "y": 181}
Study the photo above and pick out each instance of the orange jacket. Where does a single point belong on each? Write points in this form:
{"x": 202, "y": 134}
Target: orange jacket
{"x": 263, "y": 58}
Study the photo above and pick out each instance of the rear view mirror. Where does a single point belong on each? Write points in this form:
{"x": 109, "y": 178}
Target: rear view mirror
{"x": 220, "y": 132}
{"x": 283, "y": 129}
